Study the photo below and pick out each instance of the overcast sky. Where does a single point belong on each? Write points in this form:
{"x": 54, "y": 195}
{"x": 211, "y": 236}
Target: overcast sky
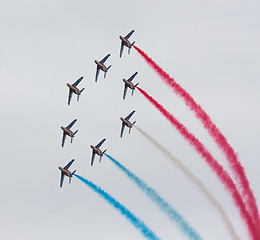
{"x": 210, "y": 48}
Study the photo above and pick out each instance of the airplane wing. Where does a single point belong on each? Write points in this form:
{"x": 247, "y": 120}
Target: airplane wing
{"x": 63, "y": 139}
{"x": 121, "y": 49}
{"x": 129, "y": 34}
{"x": 92, "y": 158}
{"x": 61, "y": 179}
{"x": 100, "y": 143}
{"x": 130, "y": 115}
{"x": 71, "y": 124}
{"x": 125, "y": 90}
{"x": 77, "y": 82}
{"x": 133, "y": 76}
{"x": 68, "y": 165}
{"x": 97, "y": 72}
{"x": 122, "y": 129}
{"x": 70, "y": 95}
{"x": 105, "y": 58}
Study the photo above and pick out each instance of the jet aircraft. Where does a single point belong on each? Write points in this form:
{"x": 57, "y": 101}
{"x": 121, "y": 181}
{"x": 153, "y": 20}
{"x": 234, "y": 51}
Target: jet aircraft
{"x": 66, "y": 172}
{"x": 73, "y": 89}
{"x": 97, "y": 151}
{"x": 67, "y": 131}
{"x": 125, "y": 42}
{"x": 129, "y": 84}
{"x": 101, "y": 65}
{"x": 126, "y": 122}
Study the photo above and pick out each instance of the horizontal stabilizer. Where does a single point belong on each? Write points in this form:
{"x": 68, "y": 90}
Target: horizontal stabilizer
{"x": 82, "y": 90}
{"x": 71, "y": 175}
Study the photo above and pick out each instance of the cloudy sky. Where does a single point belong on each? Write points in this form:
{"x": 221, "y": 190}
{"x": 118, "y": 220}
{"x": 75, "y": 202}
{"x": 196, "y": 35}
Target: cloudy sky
{"x": 211, "y": 49}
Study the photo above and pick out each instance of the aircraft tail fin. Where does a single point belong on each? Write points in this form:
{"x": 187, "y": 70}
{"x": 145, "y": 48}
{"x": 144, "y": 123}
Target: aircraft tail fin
{"x": 106, "y": 71}
{"x": 102, "y": 155}
{"x": 131, "y": 46}
{"x": 71, "y": 175}
{"x": 80, "y": 93}
{"x": 131, "y": 126}
{"x": 73, "y": 135}
{"x": 82, "y": 90}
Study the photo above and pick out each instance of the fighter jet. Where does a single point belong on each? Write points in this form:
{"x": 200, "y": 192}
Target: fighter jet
{"x": 97, "y": 151}
{"x": 101, "y": 65}
{"x": 66, "y": 172}
{"x": 129, "y": 84}
{"x": 67, "y": 131}
{"x": 126, "y": 122}
{"x": 73, "y": 89}
{"x": 125, "y": 42}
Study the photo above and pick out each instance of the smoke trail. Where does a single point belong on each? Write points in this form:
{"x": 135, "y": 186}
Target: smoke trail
{"x": 195, "y": 181}
{"x": 123, "y": 210}
{"x": 235, "y": 165}
{"x": 161, "y": 203}
{"x": 215, "y": 166}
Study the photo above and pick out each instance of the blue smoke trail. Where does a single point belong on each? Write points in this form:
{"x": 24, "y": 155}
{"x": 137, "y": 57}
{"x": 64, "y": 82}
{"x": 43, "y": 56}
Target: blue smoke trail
{"x": 161, "y": 203}
{"x": 123, "y": 210}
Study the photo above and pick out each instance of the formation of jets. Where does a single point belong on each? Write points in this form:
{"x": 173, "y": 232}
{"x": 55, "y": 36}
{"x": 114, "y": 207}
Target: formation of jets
{"x": 74, "y": 89}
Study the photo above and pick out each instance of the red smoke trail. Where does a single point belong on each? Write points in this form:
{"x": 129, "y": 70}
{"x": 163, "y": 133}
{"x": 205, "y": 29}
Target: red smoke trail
{"x": 238, "y": 170}
{"x": 215, "y": 166}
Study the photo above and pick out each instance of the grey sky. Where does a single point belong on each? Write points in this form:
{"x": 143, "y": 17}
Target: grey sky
{"x": 210, "y": 48}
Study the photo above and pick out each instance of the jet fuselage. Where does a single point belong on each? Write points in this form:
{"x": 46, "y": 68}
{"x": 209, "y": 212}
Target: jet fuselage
{"x": 97, "y": 150}
{"x": 125, "y": 41}
{"x": 67, "y": 131}
{"x": 101, "y": 66}
{"x": 126, "y": 122}
{"x": 73, "y": 88}
{"x": 129, "y": 84}
{"x": 65, "y": 171}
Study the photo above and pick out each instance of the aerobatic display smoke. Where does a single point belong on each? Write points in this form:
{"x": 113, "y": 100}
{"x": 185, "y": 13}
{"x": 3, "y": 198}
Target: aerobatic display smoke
{"x": 215, "y": 166}
{"x": 159, "y": 201}
{"x": 201, "y": 187}
{"x": 123, "y": 210}
{"x": 235, "y": 165}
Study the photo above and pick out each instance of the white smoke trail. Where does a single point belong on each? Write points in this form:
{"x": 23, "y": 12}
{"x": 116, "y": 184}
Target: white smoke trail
{"x": 195, "y": 181}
